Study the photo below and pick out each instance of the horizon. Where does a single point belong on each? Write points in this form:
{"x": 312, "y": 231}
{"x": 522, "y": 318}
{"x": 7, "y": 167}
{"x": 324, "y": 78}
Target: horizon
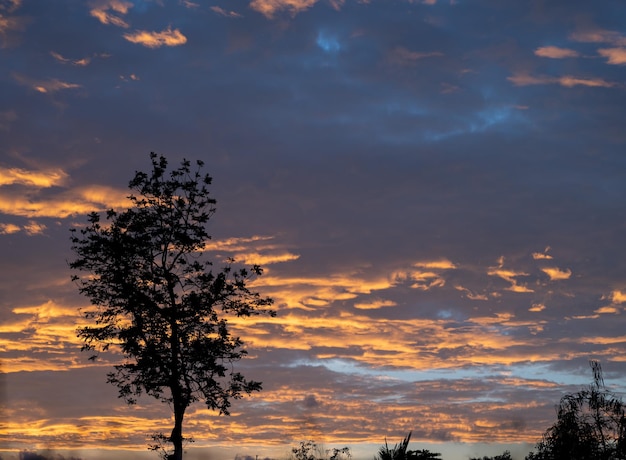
{"x": 435, "y": 189}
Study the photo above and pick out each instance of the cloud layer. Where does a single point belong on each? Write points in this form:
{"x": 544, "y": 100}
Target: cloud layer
{"x": 434, "y": 189}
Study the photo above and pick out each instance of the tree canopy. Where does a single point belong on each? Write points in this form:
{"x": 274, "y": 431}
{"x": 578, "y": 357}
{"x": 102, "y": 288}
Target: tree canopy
{"x": 159, "y": 301}
{"x": 591, "y": 425}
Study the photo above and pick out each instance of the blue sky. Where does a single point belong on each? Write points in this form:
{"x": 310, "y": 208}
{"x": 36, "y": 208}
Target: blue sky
{"x": 435, "y": 189}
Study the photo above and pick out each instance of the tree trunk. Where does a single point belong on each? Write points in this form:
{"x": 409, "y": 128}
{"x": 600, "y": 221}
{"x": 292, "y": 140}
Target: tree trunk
{"x": 177, "y": 434}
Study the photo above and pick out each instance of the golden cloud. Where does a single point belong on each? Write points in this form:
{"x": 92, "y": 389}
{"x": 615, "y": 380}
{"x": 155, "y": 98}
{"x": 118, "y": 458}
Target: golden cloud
{"x": 607, "y": 309}
{"x": 43, "y": 179}
{"x": 554, "y": 52}
{"x": 614, "y": 55}
{"x": 374, "y": 304}
{"x": 237, "y": 244}
{"x": 618, "y": 297}
{"x": 269, "y": 7}
{"x": 556, "y": 273}
{"x": 7, "y": 229}
{"x": 264, "y": 259}
{"x": 537, "y": 307}
{"x": 100, "y": 12}
{"x": 442, "y": 264}
{"x": 167, "y": 37}
{"x": 510, "y": 276}
{"x": 69, "y": 203}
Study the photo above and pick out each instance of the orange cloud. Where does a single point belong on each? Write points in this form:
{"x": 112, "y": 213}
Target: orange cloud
{"x": 554, "y": 52}
{"x": 618, "y": 297}
{"x": 8, "y": 229}
{"x": 43, "y": 179}
{"x": 510, "y": 276}
{"x": 556, "y": 273}
{"x": 101, "y": 8}
{"x": 78, "y": 62}
{"x": 606, "y": 309}
{"x": 168, "y": 37}
{"x": 264, "y": 259}
{"x": 542, "y": 255}
{"x": 442, "y": 264}
{"x": 567, "y": 81}
{"x": 570, "y": 81}
{"x": 537, "y": 307}
{"x": 69, "y": 203}
{"x": 374, "y": 304}
{"x": 471, "y": 295}
{"x": 269, "y": 7}
{"x": 614, "y": 55}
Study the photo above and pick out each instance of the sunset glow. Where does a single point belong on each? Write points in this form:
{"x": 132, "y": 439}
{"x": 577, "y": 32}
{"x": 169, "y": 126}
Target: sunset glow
{"x": 434, "y": 190}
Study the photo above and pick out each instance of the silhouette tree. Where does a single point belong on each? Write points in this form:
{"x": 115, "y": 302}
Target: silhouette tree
{"x": 506, "y": 455}
{"x": 158, "y": 299}
{"x": 401, "y": 452}
{"x": 591, "y": 425}
{"x": 310, "y": 450}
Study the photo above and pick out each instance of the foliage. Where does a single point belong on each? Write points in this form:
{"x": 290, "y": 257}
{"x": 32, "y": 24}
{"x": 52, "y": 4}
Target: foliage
{"x": 591, "y": 425}
{"x": 310, "y": 450}
{"x": 506, "y": 455}
{"x": 401, "y": 452}
{"x": 159, "y": 301}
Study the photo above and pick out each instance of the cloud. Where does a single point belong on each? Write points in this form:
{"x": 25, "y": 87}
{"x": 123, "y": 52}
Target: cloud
{"x": 374, "y": 304}
{"x": 614, "y": 55}
{"x": 222, "y": 12}
{"x": 567, "y": 81}
{"x": 43, "y": 179}
{"x": 9, "y": 25}
{"x": 537, "y": 307}
{"x": 100, "y": 11}
{"x": 542, "y": 255}
{"x": 167, "y": 37}
{"x": 8, "y": 229}
{"x": 269, "y": 7}
{"x": 31, "y": 228}
{"x": 599, "y": 36}
{"x": 555, "y": 52}
{"x": 556, "y": 273}
{"x": 77, "y": 62}
{"x": 10, "y": 5}
{"x": 618, "y": 297}
{"x": 51, "y": 85}
{"x": 64, "y": 204}
{"x": 510, "y": 276}
{"x": 404, "y": 57}
{"x": 264, "y": 259}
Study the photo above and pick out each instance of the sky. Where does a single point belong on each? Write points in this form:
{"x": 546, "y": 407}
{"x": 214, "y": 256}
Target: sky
{"x": 435, "y": 189}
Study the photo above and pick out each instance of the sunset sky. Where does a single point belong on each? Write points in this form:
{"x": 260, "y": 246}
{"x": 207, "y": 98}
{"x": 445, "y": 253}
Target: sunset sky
{"x": 435, "y": 188}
